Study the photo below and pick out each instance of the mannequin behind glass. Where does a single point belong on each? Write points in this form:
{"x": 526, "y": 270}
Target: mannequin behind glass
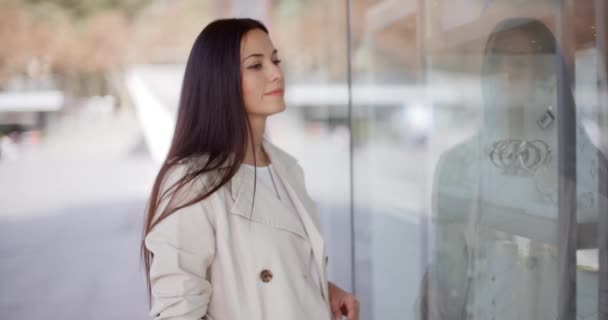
{"x": 495, "y": 195}
{"x": 518, "y": 85}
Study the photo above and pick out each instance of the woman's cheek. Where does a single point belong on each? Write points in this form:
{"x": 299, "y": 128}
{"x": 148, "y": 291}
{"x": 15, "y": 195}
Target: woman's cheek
{"x": 247, "y": 92}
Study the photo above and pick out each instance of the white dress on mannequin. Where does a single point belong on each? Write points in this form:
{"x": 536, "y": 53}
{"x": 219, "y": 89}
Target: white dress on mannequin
{"x": 496, "y": 221}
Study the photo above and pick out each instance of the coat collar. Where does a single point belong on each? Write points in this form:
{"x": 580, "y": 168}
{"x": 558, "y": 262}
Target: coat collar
{"x": 280, "y": 160}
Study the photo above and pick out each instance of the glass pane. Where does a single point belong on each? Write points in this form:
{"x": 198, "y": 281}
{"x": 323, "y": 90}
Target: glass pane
{"x": 311, "y": 36}
{"x": 515, "y": 195}
{"x": 390, "y": 128}
{"x": 479, "y": 158}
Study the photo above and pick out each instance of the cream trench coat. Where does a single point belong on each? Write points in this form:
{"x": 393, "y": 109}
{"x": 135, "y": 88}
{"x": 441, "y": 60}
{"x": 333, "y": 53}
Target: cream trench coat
{"x": 217, "y": 259}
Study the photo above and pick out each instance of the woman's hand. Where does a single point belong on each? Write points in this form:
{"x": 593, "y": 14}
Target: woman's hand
{"x": 343, "y": 303}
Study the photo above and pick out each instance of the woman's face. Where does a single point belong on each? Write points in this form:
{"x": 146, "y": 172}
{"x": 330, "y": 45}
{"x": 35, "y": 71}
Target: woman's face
{"x": 261, "y": 76}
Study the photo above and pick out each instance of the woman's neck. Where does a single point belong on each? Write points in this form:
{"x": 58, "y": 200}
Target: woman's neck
{"x": 261, "y": 158}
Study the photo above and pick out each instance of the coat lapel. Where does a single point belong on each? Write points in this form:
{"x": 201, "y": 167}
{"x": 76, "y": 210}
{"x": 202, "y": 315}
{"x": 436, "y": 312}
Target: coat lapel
{"x": 285, "y": 166}
{"x": 267, "y": 209}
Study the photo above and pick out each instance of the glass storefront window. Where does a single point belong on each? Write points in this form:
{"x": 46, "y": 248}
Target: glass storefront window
{"x": 479, "y": 192}
{"x": 515, "y": 200}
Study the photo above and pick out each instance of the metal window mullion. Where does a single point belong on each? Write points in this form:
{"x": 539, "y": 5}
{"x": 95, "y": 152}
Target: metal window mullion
{"x": 601, "y": 14}
{"x": 566, "y": 121}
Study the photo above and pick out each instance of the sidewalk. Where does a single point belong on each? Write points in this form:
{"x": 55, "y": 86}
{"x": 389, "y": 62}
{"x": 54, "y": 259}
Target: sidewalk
{"x": 71, "y": 219}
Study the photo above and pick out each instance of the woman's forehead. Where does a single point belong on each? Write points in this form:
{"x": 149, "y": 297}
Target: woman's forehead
{"x": 256, "y": 42}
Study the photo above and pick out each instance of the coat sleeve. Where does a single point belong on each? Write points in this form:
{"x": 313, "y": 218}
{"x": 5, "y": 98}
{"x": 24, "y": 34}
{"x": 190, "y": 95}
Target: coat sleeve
{"x": 183, "y": 247}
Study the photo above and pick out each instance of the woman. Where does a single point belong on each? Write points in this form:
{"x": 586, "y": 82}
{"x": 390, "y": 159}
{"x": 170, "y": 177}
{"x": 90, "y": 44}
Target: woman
{"x": 218, "y": 244}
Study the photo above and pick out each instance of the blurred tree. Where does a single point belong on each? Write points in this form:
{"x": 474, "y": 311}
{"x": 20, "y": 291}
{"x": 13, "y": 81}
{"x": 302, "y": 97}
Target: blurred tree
{"x": 165, "y": 30}
{"x": 77, "y": 45}
{"x": 83, "y": 9}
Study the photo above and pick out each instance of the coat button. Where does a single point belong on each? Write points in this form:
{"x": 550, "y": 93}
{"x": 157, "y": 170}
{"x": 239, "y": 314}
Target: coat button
{"x": 266, "y": 275}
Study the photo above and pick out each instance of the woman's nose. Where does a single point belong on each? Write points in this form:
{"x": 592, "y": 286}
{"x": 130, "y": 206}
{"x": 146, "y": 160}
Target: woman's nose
{"x": 275, "y": 73}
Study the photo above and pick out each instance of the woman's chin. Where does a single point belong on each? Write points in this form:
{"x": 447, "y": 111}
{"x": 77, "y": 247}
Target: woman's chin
{"x": 269, "y": 111}
{"x": 278, "y": 108}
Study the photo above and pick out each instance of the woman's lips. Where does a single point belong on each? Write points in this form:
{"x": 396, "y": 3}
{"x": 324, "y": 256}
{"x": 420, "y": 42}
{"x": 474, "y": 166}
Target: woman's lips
{"x": 277, "y": 92}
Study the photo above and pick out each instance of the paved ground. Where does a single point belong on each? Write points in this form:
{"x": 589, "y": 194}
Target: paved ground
{"x": 70, "y": 222}
{"x": 79, "y": 263}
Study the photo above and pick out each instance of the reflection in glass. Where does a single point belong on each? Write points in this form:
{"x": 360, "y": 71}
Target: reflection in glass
{"x": 497, "y": 199}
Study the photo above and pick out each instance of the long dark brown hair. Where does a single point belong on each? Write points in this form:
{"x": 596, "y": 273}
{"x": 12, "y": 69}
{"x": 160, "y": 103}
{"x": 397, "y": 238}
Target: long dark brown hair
{"x": 211, "y": 125}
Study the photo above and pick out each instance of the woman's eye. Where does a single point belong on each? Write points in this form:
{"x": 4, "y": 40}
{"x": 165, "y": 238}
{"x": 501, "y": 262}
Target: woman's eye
{"x": 277, "y": 61}
{"x": 256, "y": 66}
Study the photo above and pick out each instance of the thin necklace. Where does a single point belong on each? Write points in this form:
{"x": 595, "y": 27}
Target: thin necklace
{"x": 273, "y": 184}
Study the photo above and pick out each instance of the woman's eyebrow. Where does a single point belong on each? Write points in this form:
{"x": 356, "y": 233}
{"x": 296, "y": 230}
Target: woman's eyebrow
{"x": 259, "y": 55}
